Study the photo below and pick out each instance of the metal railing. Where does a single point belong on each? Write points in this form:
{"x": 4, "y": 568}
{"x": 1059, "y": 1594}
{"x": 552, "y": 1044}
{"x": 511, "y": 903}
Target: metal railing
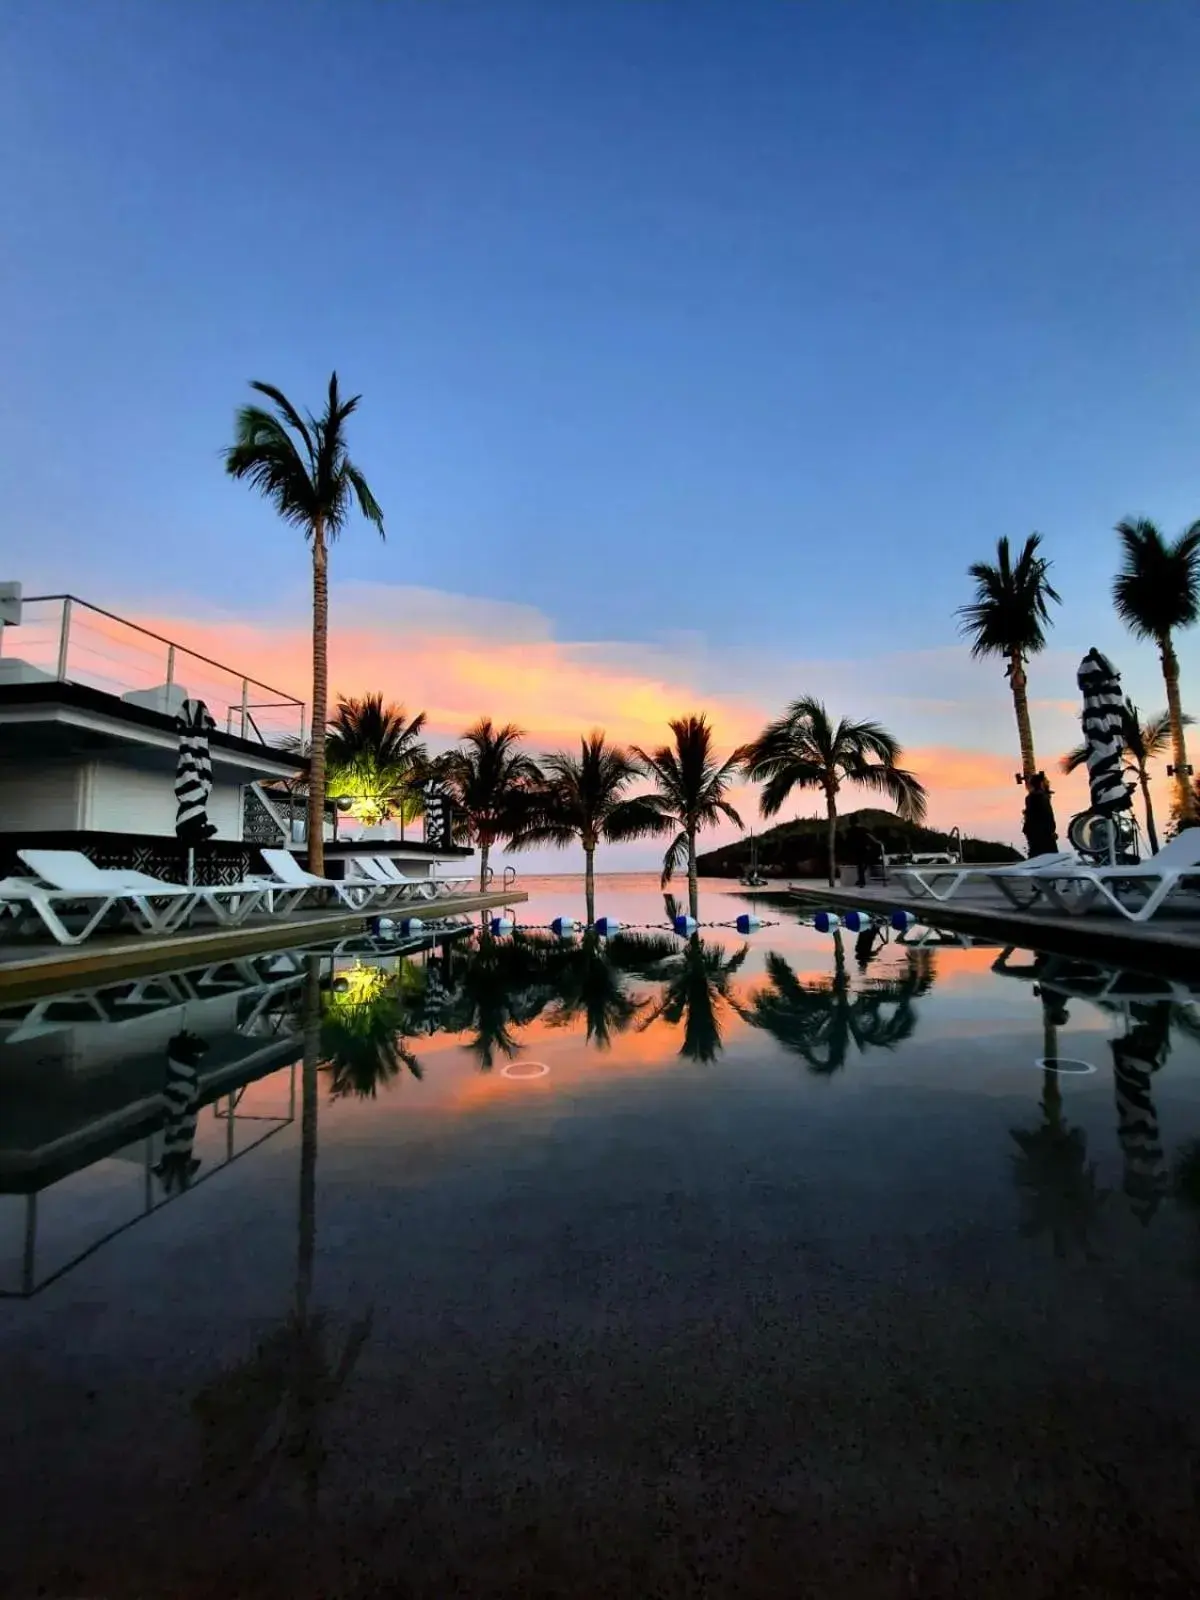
{"x": 60, "y": 636}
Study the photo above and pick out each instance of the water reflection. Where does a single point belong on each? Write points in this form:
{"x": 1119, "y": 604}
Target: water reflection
{"x": 364, "y": 1019}
{"x": 268, "y": 1413}
{"x": 1056, "y": 1183}
{"x": 822, "y": 1019}
{"x": 697, "y": 986}
{"x": 149, "y": 1075}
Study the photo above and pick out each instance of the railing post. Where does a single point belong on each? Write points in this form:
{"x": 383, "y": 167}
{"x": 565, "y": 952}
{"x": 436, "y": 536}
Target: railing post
{"x": 64, "y": 640}
{"x": 170, "y": 671}
{"x": 245, "y": 703}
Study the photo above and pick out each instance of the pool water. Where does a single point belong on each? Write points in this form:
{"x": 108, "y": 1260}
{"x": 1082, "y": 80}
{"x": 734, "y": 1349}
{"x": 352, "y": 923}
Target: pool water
{"x": 752, "y": 1266}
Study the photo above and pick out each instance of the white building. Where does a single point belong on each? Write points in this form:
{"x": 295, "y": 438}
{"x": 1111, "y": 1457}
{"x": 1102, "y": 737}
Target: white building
{"x": 89, "y": 746}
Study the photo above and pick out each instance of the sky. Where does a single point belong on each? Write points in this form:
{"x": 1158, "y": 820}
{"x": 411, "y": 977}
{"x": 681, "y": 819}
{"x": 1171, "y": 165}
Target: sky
{"x": 702, "y": 346}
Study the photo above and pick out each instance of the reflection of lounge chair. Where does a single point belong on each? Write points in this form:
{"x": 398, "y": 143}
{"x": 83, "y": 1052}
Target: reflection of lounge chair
{"x": 1149, "y": 884}
{"x": 943, "y": 883}
{"x": 291, "y": 880}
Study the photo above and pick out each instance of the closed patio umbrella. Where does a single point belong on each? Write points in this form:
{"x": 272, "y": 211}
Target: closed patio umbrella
{"x": 193, "y": 773}
{"x": 1101, "y": 686}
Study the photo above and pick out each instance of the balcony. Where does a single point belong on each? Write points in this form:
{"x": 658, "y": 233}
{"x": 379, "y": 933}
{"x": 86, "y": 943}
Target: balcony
{"x": 64, "y": 639}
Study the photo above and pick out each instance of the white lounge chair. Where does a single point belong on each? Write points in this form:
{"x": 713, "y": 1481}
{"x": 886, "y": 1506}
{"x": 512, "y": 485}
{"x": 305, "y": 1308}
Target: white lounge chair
{"x": 230, "y": 903}
{"x": 943, "y": 883}
{"x": 1149, "y": 884}
{"x": 418, "y": 888}
{"x": 450, "y": 885}
{"x": 391, "y": 890}
{"x": 290, "y": 875}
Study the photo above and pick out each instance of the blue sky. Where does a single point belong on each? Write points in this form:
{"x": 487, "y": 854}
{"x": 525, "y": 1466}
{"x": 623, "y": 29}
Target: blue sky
{"x": 753, "y": 323}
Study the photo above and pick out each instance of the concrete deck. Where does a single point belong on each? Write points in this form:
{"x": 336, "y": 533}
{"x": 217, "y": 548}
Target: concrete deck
{"x": 29, "y": 968}
{"x": 1169, "y": 943}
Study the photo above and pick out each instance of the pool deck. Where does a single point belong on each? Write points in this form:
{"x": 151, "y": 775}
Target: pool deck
{"x": 32, "y": 967}
{"x": 1168, "y": 943}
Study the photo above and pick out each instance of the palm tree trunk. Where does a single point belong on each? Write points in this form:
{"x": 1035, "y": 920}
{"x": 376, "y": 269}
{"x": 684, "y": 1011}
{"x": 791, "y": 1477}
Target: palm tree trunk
{"x": 831, "y": 809}
{"x": 1151, "y": 830}
{"x": 484, "y": 847}
{"x": 1020, "y": 683}
{"x": 1170, "y": 667}
{"x": 320, "y": 696}
{"x": 693, "y": 883}
{"x": 589, "y": 881}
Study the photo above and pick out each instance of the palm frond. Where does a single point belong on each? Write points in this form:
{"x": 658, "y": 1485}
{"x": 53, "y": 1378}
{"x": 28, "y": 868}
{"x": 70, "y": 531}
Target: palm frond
{"x": 1011, "y": 607}
{"x": 1157, "y": 588}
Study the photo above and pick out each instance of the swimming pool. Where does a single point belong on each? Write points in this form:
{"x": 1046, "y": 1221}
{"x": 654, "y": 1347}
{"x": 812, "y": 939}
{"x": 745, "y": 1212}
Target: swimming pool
{"x": 733, "y": 1265}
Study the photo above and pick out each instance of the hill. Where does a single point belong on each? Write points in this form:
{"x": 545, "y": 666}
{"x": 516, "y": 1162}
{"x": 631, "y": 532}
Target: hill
{"x": 797, "y": 849}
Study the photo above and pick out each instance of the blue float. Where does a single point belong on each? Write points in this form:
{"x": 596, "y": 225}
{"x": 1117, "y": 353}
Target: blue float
{"x": 900, "y": 920}
{"x": 747, "y": 923}
{"x": 684, "y": 926}
{"x": 860, "y": 921}
{"x": 410, "y": 925}
{"x": 502, "y": 924}
{"x": 606, "y": 926}
{"x": 827, "y": 922}
{"x": 563, "y": 925}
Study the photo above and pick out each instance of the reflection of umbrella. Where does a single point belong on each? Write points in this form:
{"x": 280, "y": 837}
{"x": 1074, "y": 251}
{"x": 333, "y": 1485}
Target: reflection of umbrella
{"x": 1102, "y": 732}
{"x": 193, "y": 773}
{"x": 1136, "y": 1057}
{"x": 178, "y": 1166}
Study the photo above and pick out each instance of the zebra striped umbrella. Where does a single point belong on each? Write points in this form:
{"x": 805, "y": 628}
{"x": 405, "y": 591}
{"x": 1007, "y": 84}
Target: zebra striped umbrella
{"x": 1101, "y": 686}
{"x": 193, "y": 773}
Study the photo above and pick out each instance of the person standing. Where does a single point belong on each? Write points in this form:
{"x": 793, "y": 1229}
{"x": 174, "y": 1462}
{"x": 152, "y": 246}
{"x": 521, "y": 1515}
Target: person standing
{"x": 1039, "y": 826}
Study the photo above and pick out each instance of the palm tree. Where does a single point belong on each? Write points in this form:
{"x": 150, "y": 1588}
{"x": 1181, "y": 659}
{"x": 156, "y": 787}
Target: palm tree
{"x": 373, "y": 752}
{"x": 312, "y": 485}
{"x": 1157, "y": 591}
{"x": 691, "y": 787}
{"x": 1144, "y": 742}
{"x": 492, "y": 784}
{"x": 583, "y": 799}
{"x": 1008, "y": 618}
{"x": 804, "y": 750}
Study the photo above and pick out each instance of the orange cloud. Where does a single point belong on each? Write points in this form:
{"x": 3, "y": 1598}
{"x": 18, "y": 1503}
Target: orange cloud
{"x": 553, "y": 690}
{"x": 458, "y": 658}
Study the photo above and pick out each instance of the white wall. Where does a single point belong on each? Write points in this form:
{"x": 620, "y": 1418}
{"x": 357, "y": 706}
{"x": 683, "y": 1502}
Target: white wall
{"x": 41, "y": 795}
{"x": 126, "y": 800}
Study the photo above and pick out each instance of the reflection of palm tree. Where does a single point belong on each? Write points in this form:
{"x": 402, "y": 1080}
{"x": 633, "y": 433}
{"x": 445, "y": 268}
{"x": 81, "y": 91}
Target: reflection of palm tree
{"x": 362, "y": 1034}
{"x": 1055, "y": 1179}
{"x": 1136, "y": 1056}
{"x": 695, "y": 993}
{"x": 590, "y": 984}
{"x": 268, "y": 1410}
{"x": 821, "y": 1020}
{"x": 498, "y": 985}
